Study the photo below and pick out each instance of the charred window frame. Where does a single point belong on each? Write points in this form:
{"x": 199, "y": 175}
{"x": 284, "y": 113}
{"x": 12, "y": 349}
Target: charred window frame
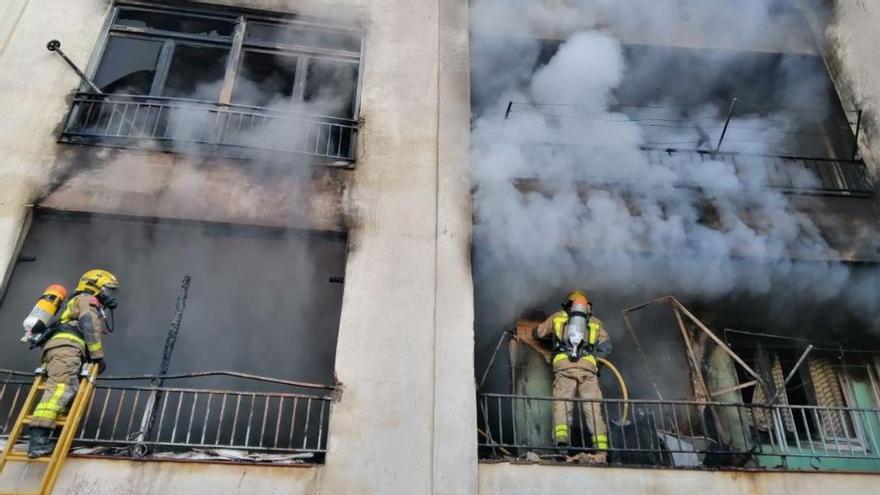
{"x": 821, "y": 391}
{"x": 153, "y": 59}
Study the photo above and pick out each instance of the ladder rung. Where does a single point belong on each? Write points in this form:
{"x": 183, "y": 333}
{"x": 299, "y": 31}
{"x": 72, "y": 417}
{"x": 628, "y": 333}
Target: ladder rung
{"x": 24, "y": 458}
{"x": 58, "y": 422}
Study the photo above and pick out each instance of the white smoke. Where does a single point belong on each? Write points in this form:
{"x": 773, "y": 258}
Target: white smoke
{"x": 566, "y": 195}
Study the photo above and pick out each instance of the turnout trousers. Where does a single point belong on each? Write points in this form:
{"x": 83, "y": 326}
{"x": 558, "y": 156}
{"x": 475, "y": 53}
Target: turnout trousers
{"x": 585, "y": 383}
{"x": 62, "y": 365}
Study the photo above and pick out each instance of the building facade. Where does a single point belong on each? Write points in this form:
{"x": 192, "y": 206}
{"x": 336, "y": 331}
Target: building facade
{"x": 267, "y": 146}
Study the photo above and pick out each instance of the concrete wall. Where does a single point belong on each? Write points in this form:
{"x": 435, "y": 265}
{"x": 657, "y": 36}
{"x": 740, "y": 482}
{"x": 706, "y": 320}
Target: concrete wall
{"x": 685, "y": 24}
{"x": 37, "y": 86}
{"x": 99, "y": 476}
{"x": 851, "y": 53}
{"x": 405, "y": 422}
{"x": 537, "y": 479}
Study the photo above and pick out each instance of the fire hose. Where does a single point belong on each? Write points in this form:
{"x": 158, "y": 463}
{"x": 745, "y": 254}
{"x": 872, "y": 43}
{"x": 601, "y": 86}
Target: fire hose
{"x": 623, "y": 390}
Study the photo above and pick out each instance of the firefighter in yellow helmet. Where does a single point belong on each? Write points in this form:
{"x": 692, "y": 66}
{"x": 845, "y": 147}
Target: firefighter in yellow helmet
{"x": 578, "y": 338}
{"x": 71, "y": 341}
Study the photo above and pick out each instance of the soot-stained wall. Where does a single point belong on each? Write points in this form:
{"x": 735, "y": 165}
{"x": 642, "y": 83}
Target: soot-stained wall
{"x": 259, "y": 302}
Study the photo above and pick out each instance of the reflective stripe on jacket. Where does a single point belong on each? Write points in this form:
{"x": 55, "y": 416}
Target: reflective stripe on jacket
{"x": 81, "y": 326}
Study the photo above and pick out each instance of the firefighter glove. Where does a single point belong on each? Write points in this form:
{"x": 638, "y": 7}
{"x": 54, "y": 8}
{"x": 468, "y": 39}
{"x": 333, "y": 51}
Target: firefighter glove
{"x": 101, "y": 365}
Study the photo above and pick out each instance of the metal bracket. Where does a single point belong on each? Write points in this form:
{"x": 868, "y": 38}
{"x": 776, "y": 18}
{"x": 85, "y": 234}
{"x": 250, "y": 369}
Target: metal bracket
{"x": 55, "y": 46}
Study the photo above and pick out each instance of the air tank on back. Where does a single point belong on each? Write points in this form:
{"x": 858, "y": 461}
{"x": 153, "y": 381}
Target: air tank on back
{"x": 46, "y": 308}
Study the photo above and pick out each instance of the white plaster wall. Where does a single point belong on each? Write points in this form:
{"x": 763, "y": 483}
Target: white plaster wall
{"x": 682, "y": 26}
{"x": 455, "y": 442}
{"x": 507, "y": 479}
{"x": 33, "y": 86}
{"x": 853, "y": 36}
{"x": 10, "y": 13}
{"x": 117, "y": 476}
{"x": 406, "y": 422}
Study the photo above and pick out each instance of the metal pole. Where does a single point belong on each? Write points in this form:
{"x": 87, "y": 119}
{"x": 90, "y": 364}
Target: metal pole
{"x": 507, "y": 113}
{"x": 55, "y": 46}
{"x": 151, "y": 408}
{"x": 791, "y": 373}
{"x": 726, "y": 123}
{"x": 492, "y": 360}
{"x": 855, "y": 152}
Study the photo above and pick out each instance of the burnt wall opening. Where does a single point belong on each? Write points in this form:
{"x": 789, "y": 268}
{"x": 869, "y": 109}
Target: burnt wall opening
{"x": 564, "y": 235}
{"x": 679, "y": 97}
{"x": 260, "y": 300}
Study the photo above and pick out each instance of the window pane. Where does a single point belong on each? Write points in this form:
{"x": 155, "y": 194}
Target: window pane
{"x": 175, "y": 23}
{"x": 264, "y": 78}
{"x": 128, "y": 65}
{"x": 297, "y": 35}
{"x": 196, "y": 72}
{"x": 330, "y": 87}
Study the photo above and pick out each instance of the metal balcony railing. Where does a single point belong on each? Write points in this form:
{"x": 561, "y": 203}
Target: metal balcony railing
{"x": 689, "y": 433}
{"x": 188, "y": 126}
{"x": 788, "y": 173}
{"x": 193, "y": 418}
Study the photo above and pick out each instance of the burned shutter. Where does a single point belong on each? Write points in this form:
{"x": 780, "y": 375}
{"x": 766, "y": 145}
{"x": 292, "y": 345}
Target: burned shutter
{"x": 827, "y": 394}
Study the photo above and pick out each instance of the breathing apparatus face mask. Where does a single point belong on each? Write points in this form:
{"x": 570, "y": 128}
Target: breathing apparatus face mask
{"x": 107, "y": 297}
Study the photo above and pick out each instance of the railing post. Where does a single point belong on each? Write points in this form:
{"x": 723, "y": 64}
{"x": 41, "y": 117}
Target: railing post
{"x": 726, "y": 123}
{"x": 855, "y": 151}
{"x": 149, "y": 418}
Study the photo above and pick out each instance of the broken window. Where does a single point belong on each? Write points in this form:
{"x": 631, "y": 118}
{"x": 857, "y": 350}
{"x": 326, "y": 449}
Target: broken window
{"x": 169, "y": 53}
{"x": 302, "y": 78}
{"x": 142, "y": 20}
{"x": 128, "y": 65}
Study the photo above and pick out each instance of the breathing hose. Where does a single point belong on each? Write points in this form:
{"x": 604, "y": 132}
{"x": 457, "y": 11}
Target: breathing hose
{"x": 622, "y": 384}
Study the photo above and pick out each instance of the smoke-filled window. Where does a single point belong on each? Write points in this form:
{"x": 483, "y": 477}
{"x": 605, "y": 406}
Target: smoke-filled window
{"x": 274, "y": 74}
{"x": 260, "y": 300}
{"x": 251, "y": 367}
{"x": 248, "y": 82}
{"x": 195, "y": 69}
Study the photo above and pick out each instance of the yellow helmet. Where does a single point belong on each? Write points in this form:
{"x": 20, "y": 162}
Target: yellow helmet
{"x": 93, "y": 281}
{"x": 578, "y": 296}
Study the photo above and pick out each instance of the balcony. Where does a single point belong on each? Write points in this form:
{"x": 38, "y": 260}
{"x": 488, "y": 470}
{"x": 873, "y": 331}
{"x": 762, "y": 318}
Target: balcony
{"x": 689, "y": 434}
{"x": 188, "y": 126}
{"x": 794, "y": 174}
{"x": 789, "y": 174}
{"x": 194, "y": 422}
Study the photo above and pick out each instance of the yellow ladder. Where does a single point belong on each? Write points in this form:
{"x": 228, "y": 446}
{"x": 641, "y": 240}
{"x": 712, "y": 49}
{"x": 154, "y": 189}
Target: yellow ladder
{"x": 69, "y": 425}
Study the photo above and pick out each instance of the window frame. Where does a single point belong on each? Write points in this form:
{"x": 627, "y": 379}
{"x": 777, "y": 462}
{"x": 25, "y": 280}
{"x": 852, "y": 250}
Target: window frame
{"x": 237, "y": 44}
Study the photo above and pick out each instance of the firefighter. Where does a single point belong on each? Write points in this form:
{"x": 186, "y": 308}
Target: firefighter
{"x": 73, "y": 340}
{"x": 578, "y": 338}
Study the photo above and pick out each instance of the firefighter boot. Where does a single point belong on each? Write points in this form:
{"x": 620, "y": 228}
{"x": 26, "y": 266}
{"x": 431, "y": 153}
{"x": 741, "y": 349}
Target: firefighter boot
{"x": 40, "y": 443}
{"x": 562, "y": 448}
